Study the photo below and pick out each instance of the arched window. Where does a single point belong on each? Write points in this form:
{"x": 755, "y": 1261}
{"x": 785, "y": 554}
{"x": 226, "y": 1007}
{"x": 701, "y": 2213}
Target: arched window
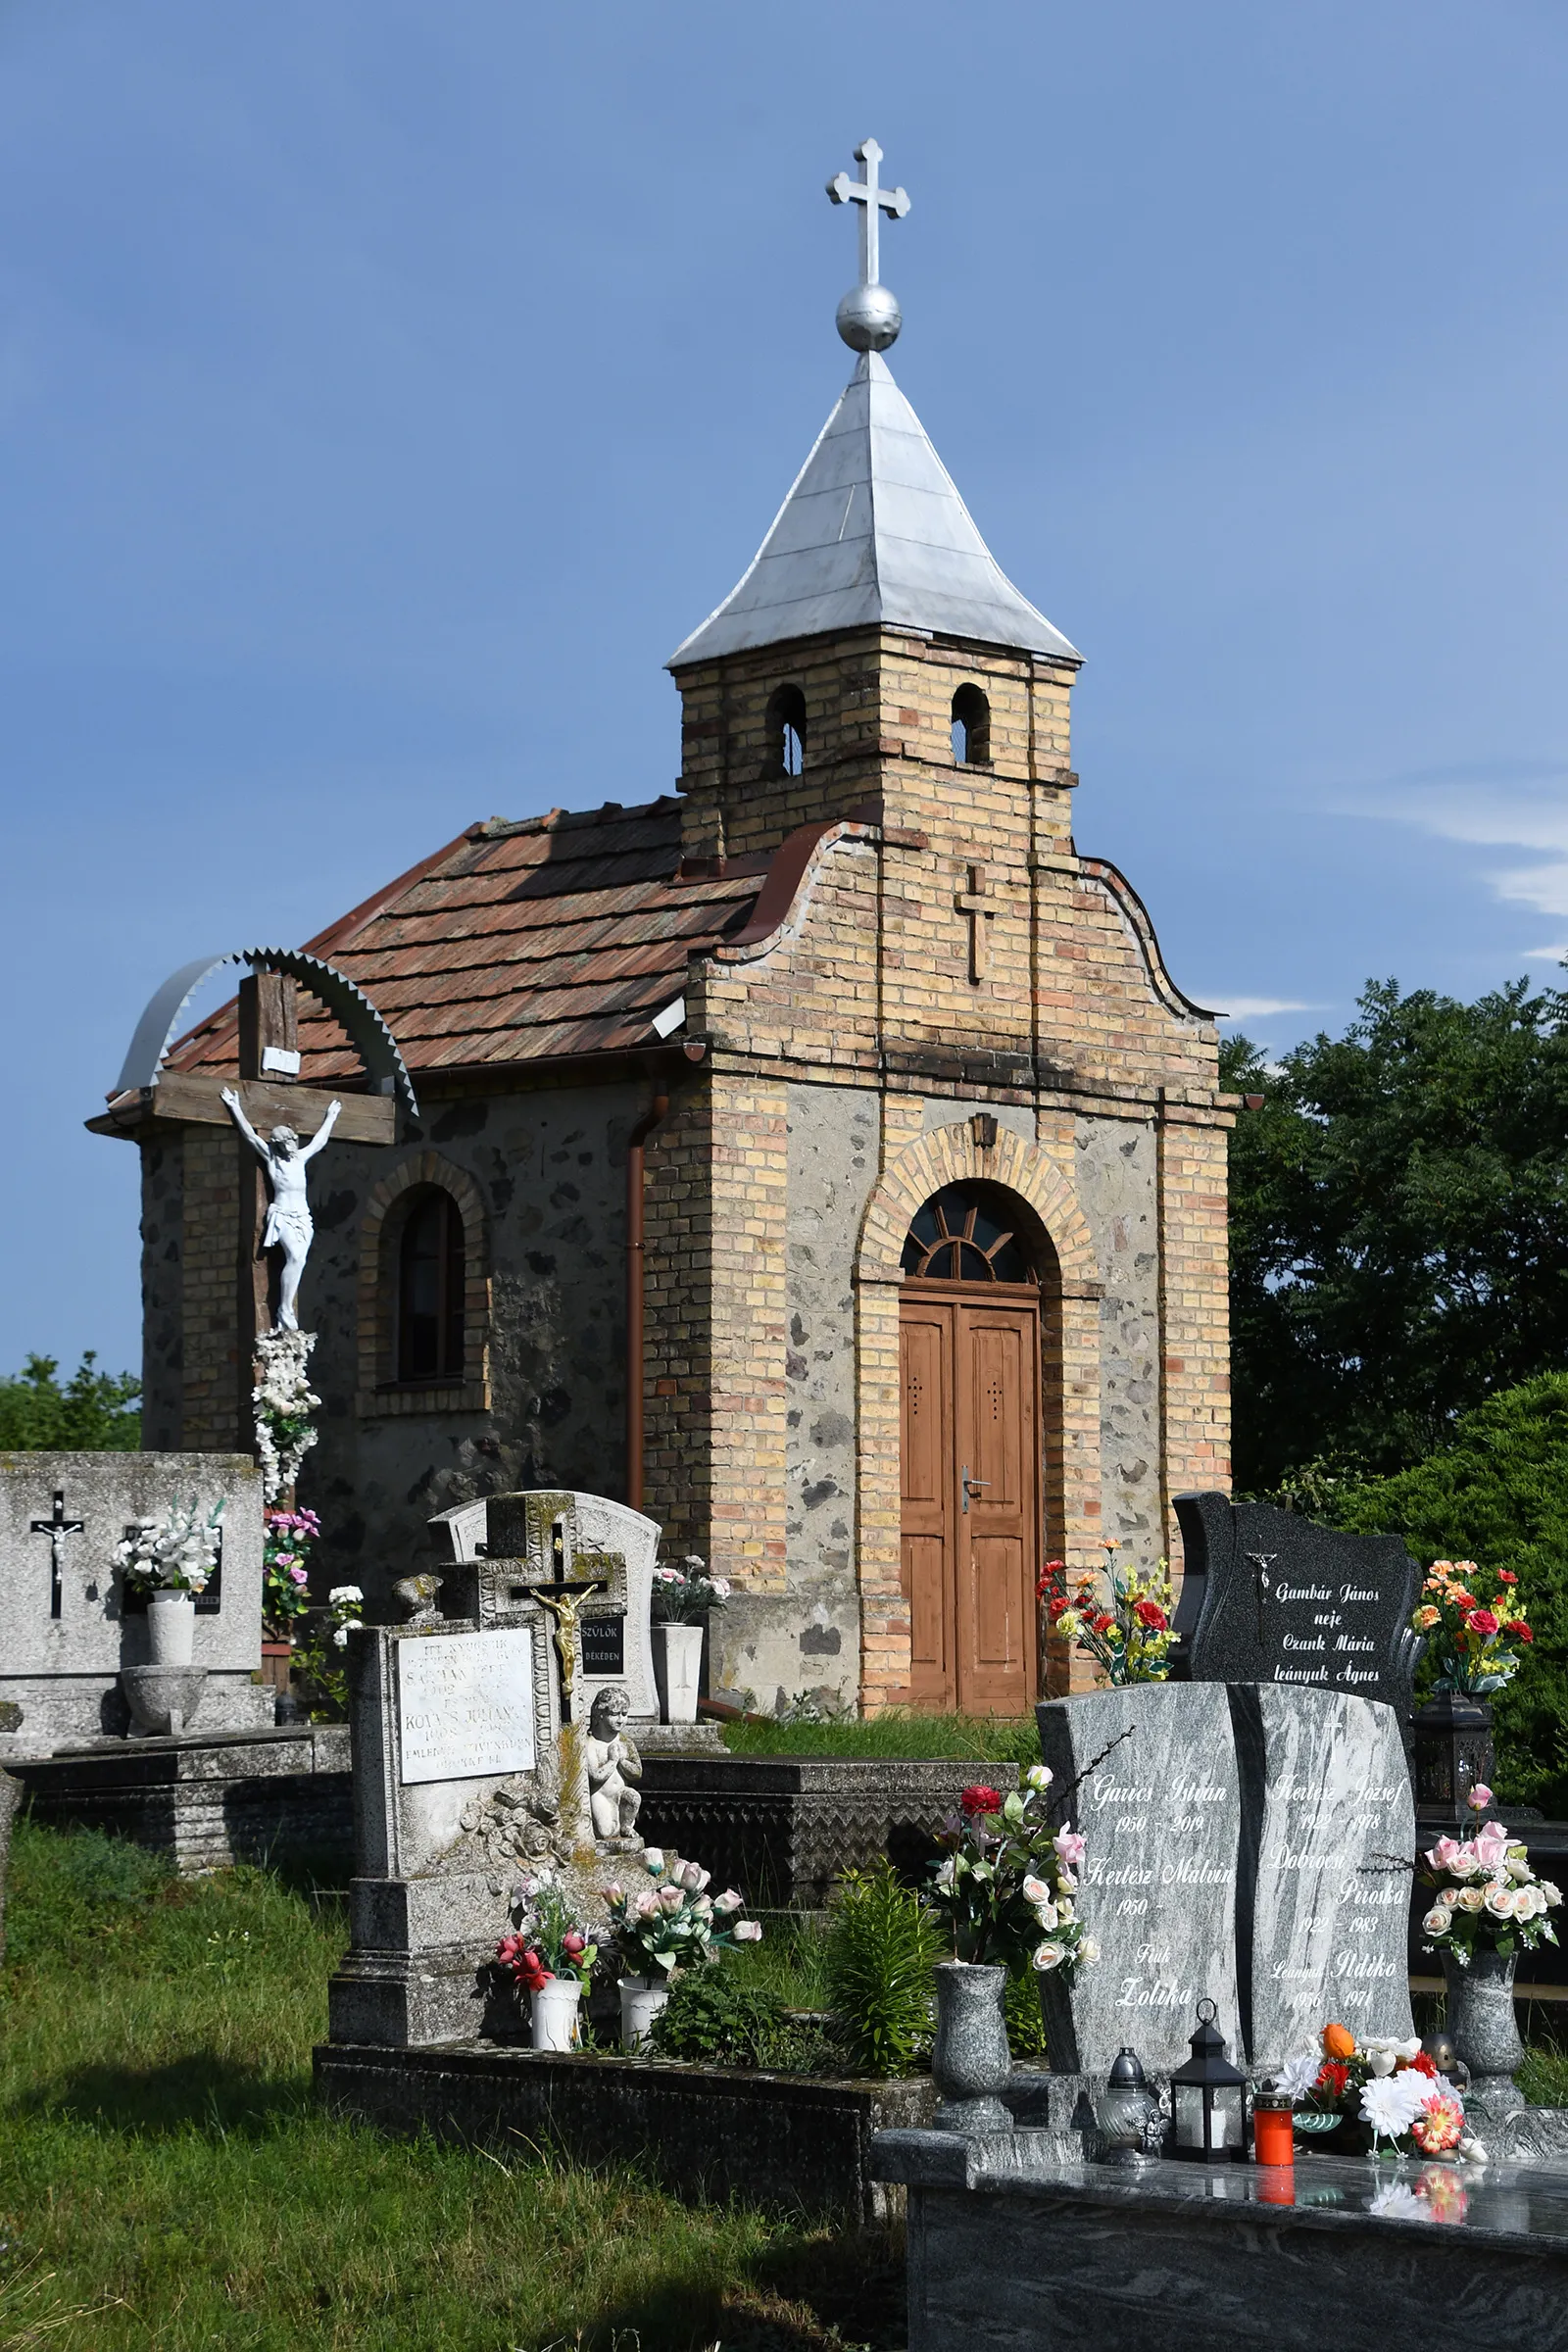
{"x": 971, "y": 727}
{"x": 786, "y": 732}
{"x": 430, "y": 1287}
{"x": 969, "y": 1233}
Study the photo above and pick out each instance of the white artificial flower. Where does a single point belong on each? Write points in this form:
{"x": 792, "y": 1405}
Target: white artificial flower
{"x": 1471, "y": 2149}
{"x": 1438, "y": 1922}
{"x": 947, "y": 1876}
{"x": 1048, "y": 1955}
{"x": 1038, "y": 1775}
{"x": 1035, "y": 1890}
{"x": 1088, "y": 1948}
{"x": 728, "y": 1901}
{"x": 344, "y": 1593}
{"x": 1472, "y": 1899}
{"x": 1382, "y": 2064}
{"x": 340, "y": 1638}
{"x": 1390, "y": 2103}
{"x": 652, "y": 1859}
{"x": 1519, "y": 1868}
{"x": 1502, "y": 1901}
{"x": 1048, "y": 1916}
{"x": 1399, "y": 2202}
{"x": 1552, "y": 1895}
{"x": 747, "y": 1931}
{"x": 1299, "y": 2073}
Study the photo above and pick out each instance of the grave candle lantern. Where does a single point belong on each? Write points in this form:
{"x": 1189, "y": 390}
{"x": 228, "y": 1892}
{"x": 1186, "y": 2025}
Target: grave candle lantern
{"x": 1208, "y": 2099}
{"x": 1127, "y": 2108}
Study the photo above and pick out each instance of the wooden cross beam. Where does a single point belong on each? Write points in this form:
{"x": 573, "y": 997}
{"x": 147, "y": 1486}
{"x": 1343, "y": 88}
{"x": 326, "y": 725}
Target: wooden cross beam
{"x": 977, "y": 904}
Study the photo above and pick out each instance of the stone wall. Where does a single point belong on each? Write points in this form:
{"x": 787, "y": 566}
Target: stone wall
{"x": 163, "y": 1281}
{"x": 1118, "y": 1190}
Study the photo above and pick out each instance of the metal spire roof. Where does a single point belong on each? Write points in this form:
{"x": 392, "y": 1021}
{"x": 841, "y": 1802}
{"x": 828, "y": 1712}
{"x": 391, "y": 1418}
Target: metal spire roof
{"x": 873, "y": 530}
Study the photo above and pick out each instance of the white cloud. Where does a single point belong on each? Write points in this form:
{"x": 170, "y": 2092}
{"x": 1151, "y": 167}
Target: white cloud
{"x": 1525, "y": 810}
{"x": 1255, "y": 1008}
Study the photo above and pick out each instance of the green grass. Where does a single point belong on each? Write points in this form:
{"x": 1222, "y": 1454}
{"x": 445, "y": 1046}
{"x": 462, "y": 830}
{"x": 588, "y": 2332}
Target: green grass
{"x": 167, "y": 2182}
{"x": 987, "y": 1739}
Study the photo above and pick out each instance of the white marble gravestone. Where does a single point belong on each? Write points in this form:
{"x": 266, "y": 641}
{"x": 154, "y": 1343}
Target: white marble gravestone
{"x": 1163, "y": 1818}
{"x": 1323, "y": 1916}
{"x": 1237, "y": 1844}
{"x": 68, "y": 1626}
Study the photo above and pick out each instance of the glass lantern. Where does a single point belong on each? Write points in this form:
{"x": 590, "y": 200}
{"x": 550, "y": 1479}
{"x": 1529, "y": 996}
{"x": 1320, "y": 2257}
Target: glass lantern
{"x": 1208, "y": 2099}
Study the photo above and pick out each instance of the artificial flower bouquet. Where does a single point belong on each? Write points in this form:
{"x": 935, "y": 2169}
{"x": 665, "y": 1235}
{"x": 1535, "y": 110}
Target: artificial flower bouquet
{"x": 1473, "y": 1633}
{"x": 684, "y": 1595}
{"x": 675, "y": 1923}
{"x": 177, "y": 1555}
{"x": 1008, "y": 1883}
{"x": 1129, "y": 1637}
{"x": 285, "y": 1574}
{"x": 1391, "y": 2089}
{"x": 548, "y": 1942}
{"x": 1485, "y": 1894}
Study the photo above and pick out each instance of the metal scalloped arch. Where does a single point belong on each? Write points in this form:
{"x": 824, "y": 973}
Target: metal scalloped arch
{"x": 372, "y": 1040}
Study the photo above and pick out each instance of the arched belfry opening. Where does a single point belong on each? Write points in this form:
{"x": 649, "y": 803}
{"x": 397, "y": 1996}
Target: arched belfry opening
{"x": 980, "y": 1443}
{"x": 971, "y": 727}
{"x": 786, "y": 732}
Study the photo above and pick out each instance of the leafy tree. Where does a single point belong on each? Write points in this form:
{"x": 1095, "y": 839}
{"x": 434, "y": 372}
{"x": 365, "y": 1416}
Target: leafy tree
{"x": 95, "y": 1412}
{"x": 1398, "y": 1227}
{"x": 1498, "y": 1492}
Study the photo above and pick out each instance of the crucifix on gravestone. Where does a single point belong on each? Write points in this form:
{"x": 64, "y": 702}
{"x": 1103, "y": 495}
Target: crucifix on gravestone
{"x": 56, "y": 1527}
{"x": 564, "y": 1602}
{"x": 977, "y": 905}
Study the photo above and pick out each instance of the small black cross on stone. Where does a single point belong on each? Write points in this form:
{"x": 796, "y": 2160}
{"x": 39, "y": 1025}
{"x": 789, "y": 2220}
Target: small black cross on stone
{"x": 1262, "y": 1562}
{"x": 57, "y": 1527}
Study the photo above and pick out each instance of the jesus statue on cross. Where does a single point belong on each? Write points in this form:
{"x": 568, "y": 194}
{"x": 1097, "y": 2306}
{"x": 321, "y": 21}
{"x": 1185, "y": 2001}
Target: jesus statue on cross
{"x": 288, "y": 1216}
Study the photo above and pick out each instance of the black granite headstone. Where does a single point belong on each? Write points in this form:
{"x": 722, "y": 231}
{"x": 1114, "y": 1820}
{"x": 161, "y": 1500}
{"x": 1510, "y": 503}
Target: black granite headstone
{"x": 1270, "y": 1597}
{"x": 602, "y": 1644}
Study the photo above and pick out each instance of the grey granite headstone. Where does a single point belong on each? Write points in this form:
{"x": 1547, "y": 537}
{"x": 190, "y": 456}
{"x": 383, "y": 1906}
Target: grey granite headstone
{"x": 1271, "y": 1597}
{"x": 1163, "y": 1818}
{"x": 1322, "y": 1915}
{"x": 68, "y": 1625}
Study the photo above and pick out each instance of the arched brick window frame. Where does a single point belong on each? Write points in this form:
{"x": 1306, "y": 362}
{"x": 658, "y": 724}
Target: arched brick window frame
{"x": 969, "y": 1149}
{"x": 380, "y": 1233}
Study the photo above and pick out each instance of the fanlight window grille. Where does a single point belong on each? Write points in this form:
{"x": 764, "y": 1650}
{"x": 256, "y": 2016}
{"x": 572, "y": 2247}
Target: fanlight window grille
{"x": 967, "y": 1234}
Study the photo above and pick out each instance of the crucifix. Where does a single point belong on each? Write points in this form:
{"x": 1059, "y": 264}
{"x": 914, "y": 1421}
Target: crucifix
{"x": 873, "y": 201}
{"x": 1262, "y": 1562}
{"x": 56, "y": 1527}
{"x": 977, "y": 905}
{"x": 563, "y": 1601}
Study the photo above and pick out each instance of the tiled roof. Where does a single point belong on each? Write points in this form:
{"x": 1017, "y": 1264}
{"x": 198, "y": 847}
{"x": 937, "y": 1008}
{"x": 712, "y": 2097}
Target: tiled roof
{"x": 564, "y": 934}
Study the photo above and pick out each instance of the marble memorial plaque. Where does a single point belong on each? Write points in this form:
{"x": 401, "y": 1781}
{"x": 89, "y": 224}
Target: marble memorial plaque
{"x": 1268, "y": 1597}
{"x": 1163, "y": 1818}
{"x": 1322, "y": 1919}
{"x": 465, "y": 1705}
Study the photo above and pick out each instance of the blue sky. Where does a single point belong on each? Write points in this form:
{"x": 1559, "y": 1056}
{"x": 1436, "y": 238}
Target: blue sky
{"x": 385, "y": 389}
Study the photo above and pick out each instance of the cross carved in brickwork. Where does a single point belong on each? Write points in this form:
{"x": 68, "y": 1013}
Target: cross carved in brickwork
{"x": 978, "y": 905}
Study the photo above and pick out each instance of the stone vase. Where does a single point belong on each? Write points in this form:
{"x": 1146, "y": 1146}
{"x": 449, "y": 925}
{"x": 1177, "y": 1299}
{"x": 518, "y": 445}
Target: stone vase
{"x": 163, "y": 1700}
{"x": 1484, "y": 2031}
{"x": 554, "y": 2014}
{"x": 677, "y": 1670}
{"x": 170, "y": 1628}
{"x": 641, "y": 2000}
{"x": 971, "y": 2064}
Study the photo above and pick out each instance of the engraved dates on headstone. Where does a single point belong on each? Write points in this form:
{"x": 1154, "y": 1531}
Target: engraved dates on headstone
{"x": 1268, "y": 1597}
{"x": 1163, "y": 1818}
{"x": 465, "y": 1706}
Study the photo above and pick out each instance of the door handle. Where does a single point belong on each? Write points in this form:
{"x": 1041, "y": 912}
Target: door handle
{"x": 968, "y": 1486}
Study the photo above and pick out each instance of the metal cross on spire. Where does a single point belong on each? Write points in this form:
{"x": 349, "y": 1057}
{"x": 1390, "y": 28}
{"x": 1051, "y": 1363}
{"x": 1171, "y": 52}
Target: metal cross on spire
{"x": 868, "y": 316}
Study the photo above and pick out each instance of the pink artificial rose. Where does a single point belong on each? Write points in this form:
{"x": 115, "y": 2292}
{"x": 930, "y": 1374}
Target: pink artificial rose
{"x": 1484, "y": 1622}
{"x": 647, "y": 1904}
{"x": 299, "y": 1576}
{"x": 1502, "y": 1901}
{"x": 1070, "y": 1845}
{"x": 573, "y": 1943}
{"x": 671, "y": 1898}
{"x": 1445, "y": 1854}
{"x": 747, "y": 1931}
{"x": 1479, "y": 1799}
{"x": 728, "y": 1901}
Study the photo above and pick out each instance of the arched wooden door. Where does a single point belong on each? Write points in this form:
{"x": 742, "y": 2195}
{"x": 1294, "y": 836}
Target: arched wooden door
{"x": 970, "y": 1457}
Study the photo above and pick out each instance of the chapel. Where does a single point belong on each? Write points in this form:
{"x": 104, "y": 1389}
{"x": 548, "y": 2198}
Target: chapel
{"x": 819, "y": 1157}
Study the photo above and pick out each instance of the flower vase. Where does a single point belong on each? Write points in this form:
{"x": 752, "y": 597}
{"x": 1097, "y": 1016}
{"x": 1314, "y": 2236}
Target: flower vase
{"x": 677, "y": 1670}
{"x": 170, "y": 1628}
{"x": 1484, "y": 2031}
{"x": 554, "y": 2014}
{"x": 641, "y": 2000}
{"x": 971, "y": 2064}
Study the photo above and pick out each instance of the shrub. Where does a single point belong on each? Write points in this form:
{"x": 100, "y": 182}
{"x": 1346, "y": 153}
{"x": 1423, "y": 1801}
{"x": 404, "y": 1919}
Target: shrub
{"x": 95, "y": 1412}
{"x": 1020, "y": 2006}
{"x": 716, "y": 2019}
{"x": 1498, "y": 1495}
{"x": 882, "y": 1947}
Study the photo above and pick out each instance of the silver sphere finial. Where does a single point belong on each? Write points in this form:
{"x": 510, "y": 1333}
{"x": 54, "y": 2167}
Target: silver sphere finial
{"x": 868, "y": 316}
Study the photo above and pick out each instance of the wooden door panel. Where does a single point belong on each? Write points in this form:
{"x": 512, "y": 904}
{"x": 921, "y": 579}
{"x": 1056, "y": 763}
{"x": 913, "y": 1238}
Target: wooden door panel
{"x": 925, "y": 1346}
{"x": 997, "y": 1645}
{"x": 997, "y": 1350}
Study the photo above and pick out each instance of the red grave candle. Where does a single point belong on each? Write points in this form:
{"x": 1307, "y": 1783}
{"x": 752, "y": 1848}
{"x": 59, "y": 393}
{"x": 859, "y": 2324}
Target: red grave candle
{"x": 1273, "y": 2141}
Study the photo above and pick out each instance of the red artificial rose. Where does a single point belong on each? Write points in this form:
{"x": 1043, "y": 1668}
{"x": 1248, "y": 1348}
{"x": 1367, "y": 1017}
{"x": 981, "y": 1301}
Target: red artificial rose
{"x": 1482, "y": 1621}
{"x": 980, "y": 1801}
{"x": 1520, "y": 1632}
{"x": 1150, "y": 1613}
{"x": 1507, "y": 1576}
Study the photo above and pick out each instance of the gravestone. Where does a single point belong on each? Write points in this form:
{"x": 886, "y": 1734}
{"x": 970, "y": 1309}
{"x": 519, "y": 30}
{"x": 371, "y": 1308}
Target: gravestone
{"x": 1236, "y": 1845}
{"x": 1163, "y": 1818}
{"x": 471, "y": 1755}
{"x": 1268, "y": 1597}
{"x": 494, "y": 1549}
{"x": 1322, "y": 1912}
{"x": 68, "y": 1623}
